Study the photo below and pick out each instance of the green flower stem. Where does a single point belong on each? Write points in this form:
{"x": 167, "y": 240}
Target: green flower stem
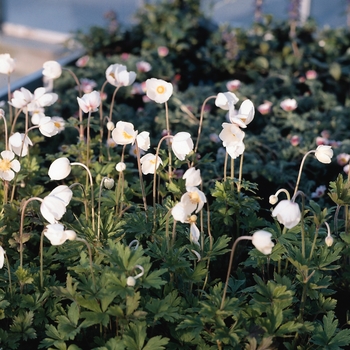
{"x": 9, "y": 273}
{"x": 5, "y": 130}
{"x": 85, "y": 198}
{"x": 225, "y": 165}
{"x": 169, "y": 246}
{"x": 300, "y": 170}
{"x": 99, "y": 209}
{"x": 201, "y": 123}
{"x": 101, "y": 118}
{"x": 169, "y": 146}
{"x": 42, "y": 259}
{"x": 88, "y": 140}
{"x": 210, "y": 250}
{"x": 155, "y": 178}
{"x": 141, "y": 178}
{"x": 90, "y": 259}
{"x": 92, "y": 191}
{"x": 21, "y": 227}
{"x": 241, "y": 238}
{"x": 283, "y": 190}
{"x": 9, "y": 96}
{"x": 13, "y": 124}
{"x": 240, "y": 174}
{"x": 75, "y": 79}
{"x": 120, "y": 188}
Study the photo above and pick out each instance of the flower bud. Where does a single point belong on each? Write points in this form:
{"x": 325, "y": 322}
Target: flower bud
{"x": 108, "y": 183}
{"x": 273, "y": 199}
{"x": 131, "y": 281}
{"x": 329, "y": 241}
{"x": 120, "y": 166}
{"x": 110, "y": 126}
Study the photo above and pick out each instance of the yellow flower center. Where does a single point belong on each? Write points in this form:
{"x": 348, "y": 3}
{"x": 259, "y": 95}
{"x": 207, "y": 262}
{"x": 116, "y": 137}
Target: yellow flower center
{"x": 194, "y": 197}
{"x": 57, "y": 124}
{"x": 127, "y": 135}
{"x": 192, "y": 219}
{"x": 5, "y": 164}
{"x": 112, "y": 75}
{"x": 160, "y": 89}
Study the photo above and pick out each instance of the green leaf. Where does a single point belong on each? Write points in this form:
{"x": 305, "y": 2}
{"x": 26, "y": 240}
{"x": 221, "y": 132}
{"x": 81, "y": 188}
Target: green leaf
{"x": 92, "y": 318}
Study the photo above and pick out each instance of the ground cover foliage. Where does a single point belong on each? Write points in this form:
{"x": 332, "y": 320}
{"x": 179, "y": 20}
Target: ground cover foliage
{"x": 124, "y": 272}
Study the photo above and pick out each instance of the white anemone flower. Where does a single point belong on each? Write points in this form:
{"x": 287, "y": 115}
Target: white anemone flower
{"x": 193, "y": 199}
{"x": 47, "y": 127}
{"x": 37, "y": 115}
{"x": 226, "y": 100}
{"x": 59, "y": 169}
{"x": 57, "y": 235}
{"x": 19, "y": 144}
{"x": 149, "y": 163}
{"x": 52, "y": 69}
{"x": 59, "y": 123}
{"x": 41, "y": 98}
{"x": 8, "y": 165}
{"x": 117, "y": 75}
{"x": 324, "y": 154}
{"x": 53, "y": 206}
{"x": 289, "y": 104}
{"x": 231, "y": 134}
{"x": 245, "y": 114}
{"x": 181, "y": 212}
{"x": 21, "y": 98}
{"x": 143, "y": 140}
{"x": 2, "y": 257}
{"x": 90, "y": 101}
{"x": 194, "y": 233}
{"x": 262, "y": 241}
{"x": 182, "y": 145}
{"x": 192, "y": 177}
{"x": 287, "y": 213}
{"x": 7, "y": 64}
{"x": 235, "y": 149}
{"x": 124, "y": 133}
{"x": 158, "y": 90}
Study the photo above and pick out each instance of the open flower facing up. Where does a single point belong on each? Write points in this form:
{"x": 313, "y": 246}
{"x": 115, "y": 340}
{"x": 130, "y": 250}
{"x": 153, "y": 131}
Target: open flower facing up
{"x": 7, "y": 64}
{"x": 41, "y": 98}
{"x": 59, "y": 169}
{"x": 52, "y": 69}
{"x": 2, "y": 257}
{"x": 143, "y": 140}
{"x": 158, "y": 90}
{"x": 57, "y": 235}
{"x": 262, "y": 241}
{"x": 117, "y": 75}
{"x": 231, "y": 134}
{"x": 149, "y": 163}
{"x": 19, "y": 144}
{"x": 182, "y": 145}
{"x": 287, "y": 213}
{"x": 21, "y": 98}
{"x": 192, "y": 177}
{"x": 324, "y": 154}
{"x": 289, "y": 104}
{"x": 90, "y": 102}
{"x": 53, "y": 206}
{"x": 226, "y": 100}
{"x": 8, "y": 165}
{"x": 124, "y": 133}
{"x": 245, "y": 114}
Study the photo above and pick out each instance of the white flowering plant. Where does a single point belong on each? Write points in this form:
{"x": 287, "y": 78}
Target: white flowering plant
{"x": 139, "y": 211}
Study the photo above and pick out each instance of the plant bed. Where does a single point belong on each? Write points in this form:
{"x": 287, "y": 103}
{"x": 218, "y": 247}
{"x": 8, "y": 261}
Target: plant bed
{"x": 193, "y": 194}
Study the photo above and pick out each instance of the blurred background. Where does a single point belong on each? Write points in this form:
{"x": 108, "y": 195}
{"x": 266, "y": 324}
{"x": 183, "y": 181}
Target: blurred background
{"x": 34, "y": 31}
